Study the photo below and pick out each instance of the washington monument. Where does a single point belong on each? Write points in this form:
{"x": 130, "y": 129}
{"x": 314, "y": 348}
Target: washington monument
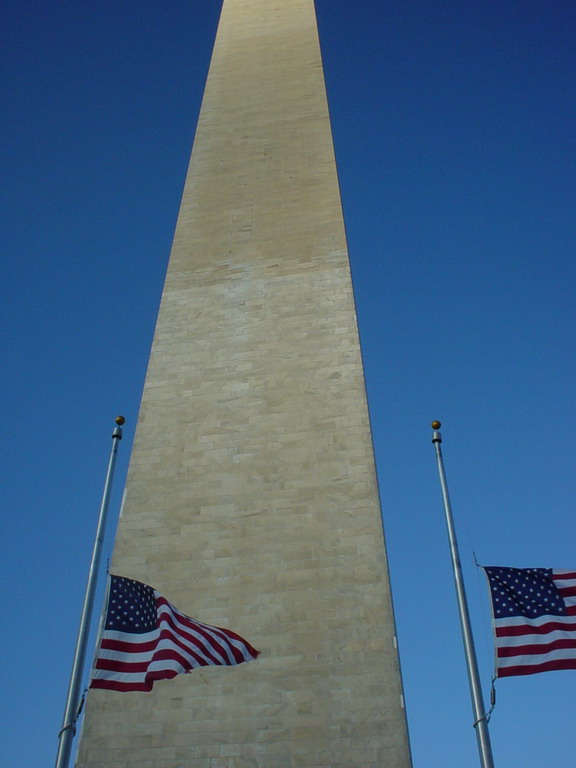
{"x": 251, "y": 499}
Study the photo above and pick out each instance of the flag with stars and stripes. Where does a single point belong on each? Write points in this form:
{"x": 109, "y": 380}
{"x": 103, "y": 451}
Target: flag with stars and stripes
{"x": 145, "y": 638}
{"x": 534, "y": 617}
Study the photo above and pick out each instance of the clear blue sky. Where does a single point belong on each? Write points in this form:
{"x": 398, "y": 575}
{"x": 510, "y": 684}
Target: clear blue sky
{"x": 455, "y": 128}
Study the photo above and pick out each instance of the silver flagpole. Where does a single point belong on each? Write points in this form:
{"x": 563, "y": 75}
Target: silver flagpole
{"x": 480, "y": 724}
{"x": 71, "y": 710}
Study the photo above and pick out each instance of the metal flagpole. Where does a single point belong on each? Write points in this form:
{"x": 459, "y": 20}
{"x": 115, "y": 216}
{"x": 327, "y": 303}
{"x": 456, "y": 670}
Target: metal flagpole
{"x": 480, "y": 724}
{"x": 71, "y": 710}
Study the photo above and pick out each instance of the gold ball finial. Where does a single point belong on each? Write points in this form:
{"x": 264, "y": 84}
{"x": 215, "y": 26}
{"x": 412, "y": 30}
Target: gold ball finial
{"x": 120, "y": 420}
{"x": 436, "y": 425}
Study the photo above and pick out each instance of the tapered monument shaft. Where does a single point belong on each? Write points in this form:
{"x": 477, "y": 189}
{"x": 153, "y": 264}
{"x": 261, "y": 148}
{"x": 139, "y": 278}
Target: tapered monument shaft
{"x": 251, "y": 499}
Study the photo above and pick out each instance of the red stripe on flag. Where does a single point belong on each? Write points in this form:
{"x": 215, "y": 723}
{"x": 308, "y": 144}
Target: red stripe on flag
{"x": 117, "y": 685}
{"x": 532, "y": 669}
{"x": 536, "y": 650}
{"x": 128, "y": 667}
{"x": 519, "y": 630}
{"x": 124, "y": 646}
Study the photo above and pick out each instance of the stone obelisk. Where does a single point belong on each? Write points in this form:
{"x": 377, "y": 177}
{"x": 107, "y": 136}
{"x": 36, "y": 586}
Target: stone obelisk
{"x": 251, "y": 498}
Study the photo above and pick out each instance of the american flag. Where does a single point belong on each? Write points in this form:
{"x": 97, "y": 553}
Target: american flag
{"x": 145, "y": 638}
{"x": 534, "y": 616}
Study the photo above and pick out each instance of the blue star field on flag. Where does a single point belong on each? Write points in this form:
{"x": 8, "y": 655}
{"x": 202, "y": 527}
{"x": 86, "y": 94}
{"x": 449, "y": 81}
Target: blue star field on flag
{"x": 131, "y": 606}
{"x": 524, "y": 592}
